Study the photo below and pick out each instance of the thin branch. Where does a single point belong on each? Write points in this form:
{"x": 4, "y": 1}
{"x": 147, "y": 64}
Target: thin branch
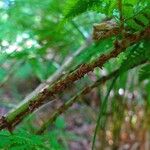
{"x": 26, "y": 107}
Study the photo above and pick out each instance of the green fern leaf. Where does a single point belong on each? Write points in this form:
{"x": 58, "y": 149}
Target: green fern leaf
{"x": 144, "y": 72}
{"x": 135, "y": 55}
{"x": 139, "y": 20}
{"x": 78, "y": 7}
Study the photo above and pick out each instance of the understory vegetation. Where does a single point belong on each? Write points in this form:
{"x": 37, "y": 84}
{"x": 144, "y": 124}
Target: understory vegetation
{"x": 74, "y": 74}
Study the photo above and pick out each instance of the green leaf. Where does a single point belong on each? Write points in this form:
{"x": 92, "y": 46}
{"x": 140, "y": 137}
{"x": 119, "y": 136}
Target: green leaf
{"x": 144, "y": 72}
{"x": 135, "y": 55}
{"x": 74, "y": 8}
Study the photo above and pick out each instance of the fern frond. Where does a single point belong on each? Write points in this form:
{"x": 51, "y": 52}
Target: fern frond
{"x": 135, "y": 55}
{"x": 139, "y": 21}
{"x": 21, "y": 140}
{"x": 78, "y": 7}
{"x": 144, "y": 72}
{"x": 136, "y": 15}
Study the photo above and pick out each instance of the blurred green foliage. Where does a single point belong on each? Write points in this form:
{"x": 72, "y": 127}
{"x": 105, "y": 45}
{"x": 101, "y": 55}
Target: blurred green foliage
{"x": 56, "y": 139}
